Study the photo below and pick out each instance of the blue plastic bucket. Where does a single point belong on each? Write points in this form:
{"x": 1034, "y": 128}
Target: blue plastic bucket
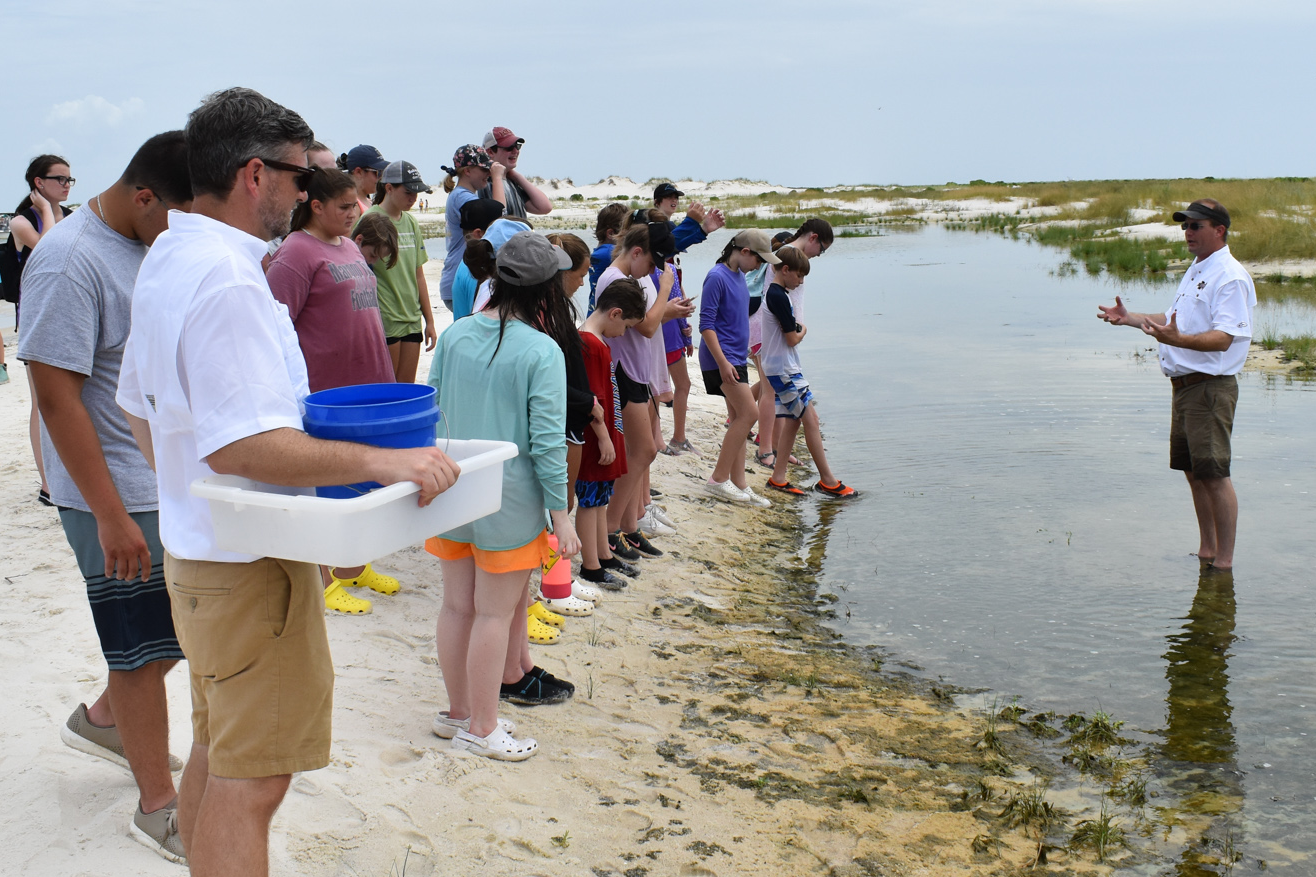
{"x": 383, "y": 415}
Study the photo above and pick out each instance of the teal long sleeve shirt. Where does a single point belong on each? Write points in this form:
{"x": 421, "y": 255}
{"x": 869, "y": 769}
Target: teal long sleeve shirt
{"x": 521, "y": 397}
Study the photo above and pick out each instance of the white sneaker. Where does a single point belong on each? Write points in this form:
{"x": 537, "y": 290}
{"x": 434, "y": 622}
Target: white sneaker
{"x": 755, "y": 499}
{"x": 660, "y": 515}
{"x": 725, "y": 491}
{"x": 569, "y": 606}
{"x": 585, "y": 592}
{"x": 651, "y": 526}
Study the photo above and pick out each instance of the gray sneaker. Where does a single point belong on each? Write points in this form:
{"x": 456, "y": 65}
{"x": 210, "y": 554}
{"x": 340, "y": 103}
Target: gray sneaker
{"x": 79, "y": 733}
{"x": 158, "y": 831}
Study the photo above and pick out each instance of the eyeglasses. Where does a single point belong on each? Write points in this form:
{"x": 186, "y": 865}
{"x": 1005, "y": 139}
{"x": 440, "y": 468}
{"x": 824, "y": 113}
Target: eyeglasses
{"x": 515, "y": 147}
{"x": 304, "y": 174}
{"x": 822, "y": 248}
{"x": 1195, "y": 226}
{"x": 62, "y": 180}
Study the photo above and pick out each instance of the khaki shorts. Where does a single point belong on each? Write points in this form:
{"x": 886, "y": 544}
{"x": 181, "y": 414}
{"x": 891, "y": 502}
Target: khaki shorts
{"x": 1201, "y": 420}
{"x": 262, "y": 678}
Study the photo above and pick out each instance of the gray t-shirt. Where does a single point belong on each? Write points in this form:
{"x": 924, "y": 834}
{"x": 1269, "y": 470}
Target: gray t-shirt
{"x": 514, "y": 194}
{"x": 77, "y": 308}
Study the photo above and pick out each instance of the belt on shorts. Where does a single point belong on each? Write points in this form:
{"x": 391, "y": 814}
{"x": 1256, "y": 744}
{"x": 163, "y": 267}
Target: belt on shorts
{"x": 1194, "y": 378}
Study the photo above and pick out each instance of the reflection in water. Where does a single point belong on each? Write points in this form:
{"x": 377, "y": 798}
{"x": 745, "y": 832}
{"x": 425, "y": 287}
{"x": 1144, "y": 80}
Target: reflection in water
{"x": 820, "y": 535}
{"x": 1199, "y": 746}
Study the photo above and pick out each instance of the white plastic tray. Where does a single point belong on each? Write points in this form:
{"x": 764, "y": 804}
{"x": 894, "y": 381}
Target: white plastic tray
{"x": 350, "y": 532}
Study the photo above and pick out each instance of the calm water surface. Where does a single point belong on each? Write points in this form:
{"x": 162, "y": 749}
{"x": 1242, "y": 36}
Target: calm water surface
{"x": 1022, "y": 533}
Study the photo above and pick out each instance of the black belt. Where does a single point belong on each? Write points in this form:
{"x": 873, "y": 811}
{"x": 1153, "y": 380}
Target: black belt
{"x": 1195, "y": 378}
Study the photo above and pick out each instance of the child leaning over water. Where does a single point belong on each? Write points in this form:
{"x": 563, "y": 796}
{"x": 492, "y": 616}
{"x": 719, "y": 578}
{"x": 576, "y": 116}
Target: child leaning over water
{"x": 781, "y": 364}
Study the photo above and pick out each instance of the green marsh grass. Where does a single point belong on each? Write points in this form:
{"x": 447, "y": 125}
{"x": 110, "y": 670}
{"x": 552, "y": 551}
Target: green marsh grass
{"x": 1102, "y": 834}
{"x": 1030, "y": 809}
{"x": 1100, "y": 730}
{"x": 1302, "y": 350}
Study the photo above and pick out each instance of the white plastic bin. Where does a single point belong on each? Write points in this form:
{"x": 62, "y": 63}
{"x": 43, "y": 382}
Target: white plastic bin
{"x": 350, "y": 532}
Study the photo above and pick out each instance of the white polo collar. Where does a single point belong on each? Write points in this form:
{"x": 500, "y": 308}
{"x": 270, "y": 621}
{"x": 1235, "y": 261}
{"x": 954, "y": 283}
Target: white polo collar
{"x": 197, "y": 224}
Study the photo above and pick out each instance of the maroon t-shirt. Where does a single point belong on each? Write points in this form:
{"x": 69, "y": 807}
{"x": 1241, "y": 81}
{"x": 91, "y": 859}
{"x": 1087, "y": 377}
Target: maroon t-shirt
{"x": 331, "y": 296}
{"x": 598, "y": 366}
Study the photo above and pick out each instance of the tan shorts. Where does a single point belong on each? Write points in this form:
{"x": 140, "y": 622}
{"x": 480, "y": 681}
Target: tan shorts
{"x": 1201, "y": 420}
{"x": 262, "y": 678}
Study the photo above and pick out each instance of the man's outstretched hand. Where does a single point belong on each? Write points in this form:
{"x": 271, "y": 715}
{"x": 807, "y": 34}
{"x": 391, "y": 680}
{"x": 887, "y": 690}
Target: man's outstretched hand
{"x": 1117, "y": 315}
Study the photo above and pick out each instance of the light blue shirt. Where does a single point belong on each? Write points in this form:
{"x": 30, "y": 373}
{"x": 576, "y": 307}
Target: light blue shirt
{"x": 463, "y": 292}
{"x": 518, "y": 396}
{"x": 452, "y": 217}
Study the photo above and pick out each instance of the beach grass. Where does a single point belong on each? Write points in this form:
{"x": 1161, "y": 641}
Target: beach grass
{"x": 1300, "y": 349}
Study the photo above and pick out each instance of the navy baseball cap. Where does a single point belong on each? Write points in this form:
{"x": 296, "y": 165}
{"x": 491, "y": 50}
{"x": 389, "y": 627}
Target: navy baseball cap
{"x": 365, "y": 156}
{"x": 666, "y": 190}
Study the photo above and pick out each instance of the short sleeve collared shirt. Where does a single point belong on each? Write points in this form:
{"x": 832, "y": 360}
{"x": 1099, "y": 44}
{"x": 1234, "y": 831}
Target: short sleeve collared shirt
{"x": 212, "y": 358}
{"x": 1215, "y": 293}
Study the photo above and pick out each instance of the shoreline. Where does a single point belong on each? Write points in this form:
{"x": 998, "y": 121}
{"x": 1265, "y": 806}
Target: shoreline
{"x": 719, "y": 726}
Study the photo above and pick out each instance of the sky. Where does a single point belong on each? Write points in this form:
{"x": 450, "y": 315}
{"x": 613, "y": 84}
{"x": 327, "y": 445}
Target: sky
{"x": 813, "y": 93}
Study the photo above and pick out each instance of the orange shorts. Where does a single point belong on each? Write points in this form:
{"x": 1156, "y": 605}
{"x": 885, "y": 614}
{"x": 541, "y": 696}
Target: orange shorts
{"x": 532, "y": 555}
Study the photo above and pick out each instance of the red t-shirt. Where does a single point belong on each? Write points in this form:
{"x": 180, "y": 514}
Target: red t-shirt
{"x": 598, "y": 366}
{"x": 330, "y": 293}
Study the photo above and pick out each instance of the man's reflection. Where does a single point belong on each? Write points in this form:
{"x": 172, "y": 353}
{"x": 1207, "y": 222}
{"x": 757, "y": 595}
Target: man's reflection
{"x": 1199, "y": 745}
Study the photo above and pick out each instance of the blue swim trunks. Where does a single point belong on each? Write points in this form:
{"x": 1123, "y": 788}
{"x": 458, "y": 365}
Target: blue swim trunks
{"x": 593, "y": 494}
{"x": 793, "y": 394}
{"x": 132, "y": 618}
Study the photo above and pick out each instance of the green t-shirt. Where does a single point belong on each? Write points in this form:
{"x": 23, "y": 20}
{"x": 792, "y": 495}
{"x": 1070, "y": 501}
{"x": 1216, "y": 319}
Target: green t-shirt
{"x": 399, "y": 296}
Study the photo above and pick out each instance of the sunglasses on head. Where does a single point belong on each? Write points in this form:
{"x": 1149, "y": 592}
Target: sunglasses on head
{"x": 304, "y": 174}
{"x": 1195, "y": 226}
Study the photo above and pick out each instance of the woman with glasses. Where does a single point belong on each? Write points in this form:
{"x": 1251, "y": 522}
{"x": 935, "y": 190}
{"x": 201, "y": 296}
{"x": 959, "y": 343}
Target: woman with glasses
{"x": 48, "y": 177}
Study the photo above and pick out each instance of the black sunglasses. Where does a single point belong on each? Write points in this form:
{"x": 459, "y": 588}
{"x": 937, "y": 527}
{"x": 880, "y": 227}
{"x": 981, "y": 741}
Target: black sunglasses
{"x": 1195, "y": 226}
{"x": 304, "y": 174}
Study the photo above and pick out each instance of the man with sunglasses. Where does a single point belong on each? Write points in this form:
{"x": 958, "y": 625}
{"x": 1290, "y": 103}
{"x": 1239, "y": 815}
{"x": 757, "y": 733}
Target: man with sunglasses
{"x": 1204, "y": 338}
{"x": 521, "y": 195}
{"x": 212, "y": 382}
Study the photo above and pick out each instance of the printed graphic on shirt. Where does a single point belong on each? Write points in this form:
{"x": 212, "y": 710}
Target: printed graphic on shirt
{"x": 364, "y": 294}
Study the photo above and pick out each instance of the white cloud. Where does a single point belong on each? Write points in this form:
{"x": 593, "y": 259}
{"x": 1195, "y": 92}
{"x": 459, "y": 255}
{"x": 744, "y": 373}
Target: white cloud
{"x": 94, "y": 110}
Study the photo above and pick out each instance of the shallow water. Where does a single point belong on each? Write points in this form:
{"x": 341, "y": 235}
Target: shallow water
{"x": 1022, "y": 533}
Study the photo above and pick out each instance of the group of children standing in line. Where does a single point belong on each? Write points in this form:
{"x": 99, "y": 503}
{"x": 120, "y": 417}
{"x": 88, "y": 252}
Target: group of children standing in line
{"x": 581, "y": 402}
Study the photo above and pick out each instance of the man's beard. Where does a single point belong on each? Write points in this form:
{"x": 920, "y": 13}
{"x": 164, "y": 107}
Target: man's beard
{"x": 276, "y": 222}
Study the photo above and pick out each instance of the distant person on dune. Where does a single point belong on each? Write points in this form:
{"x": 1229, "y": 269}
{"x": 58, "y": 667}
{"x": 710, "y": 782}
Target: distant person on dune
{"x": 1204, "y": 339}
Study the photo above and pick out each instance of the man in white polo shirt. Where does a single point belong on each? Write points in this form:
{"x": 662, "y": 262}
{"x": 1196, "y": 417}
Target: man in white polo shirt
{"x": 1204, "y": 338}
{"x": 212, "y": 382}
